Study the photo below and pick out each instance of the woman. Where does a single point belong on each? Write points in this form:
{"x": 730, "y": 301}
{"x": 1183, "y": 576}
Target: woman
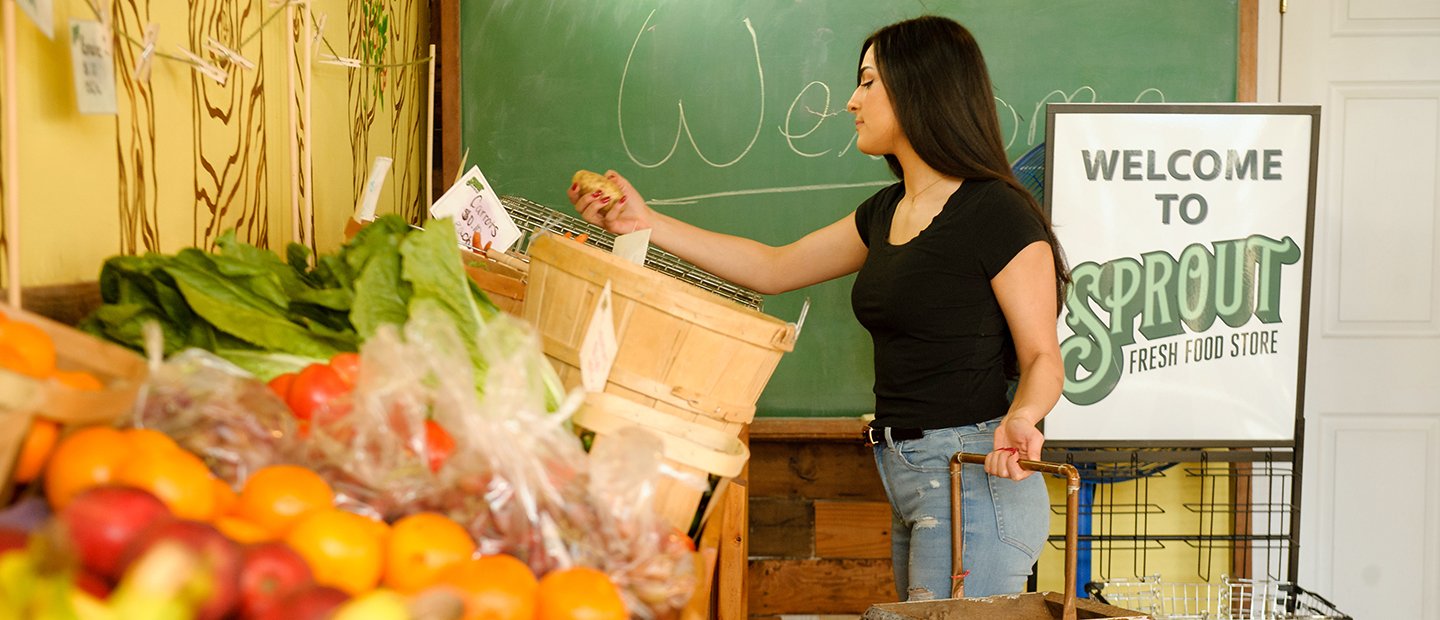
{"x": 959, "y": 283}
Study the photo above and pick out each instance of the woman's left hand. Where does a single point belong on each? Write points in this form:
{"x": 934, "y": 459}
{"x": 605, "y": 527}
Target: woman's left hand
{"x": 1015, "y": 439}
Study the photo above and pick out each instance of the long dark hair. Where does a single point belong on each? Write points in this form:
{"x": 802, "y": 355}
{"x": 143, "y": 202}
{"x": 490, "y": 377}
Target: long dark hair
{"x": 941, "y": 93}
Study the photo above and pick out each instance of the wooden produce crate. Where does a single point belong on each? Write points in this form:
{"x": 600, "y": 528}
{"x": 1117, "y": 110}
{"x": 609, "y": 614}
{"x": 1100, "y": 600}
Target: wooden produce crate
{"x": 682, "y": 351}
{"x": 121, "y": 371}
{"x": 503, "y": 279}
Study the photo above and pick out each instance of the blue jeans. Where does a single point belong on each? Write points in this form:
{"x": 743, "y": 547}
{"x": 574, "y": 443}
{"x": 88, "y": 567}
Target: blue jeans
{"x": 1006, "y": 522}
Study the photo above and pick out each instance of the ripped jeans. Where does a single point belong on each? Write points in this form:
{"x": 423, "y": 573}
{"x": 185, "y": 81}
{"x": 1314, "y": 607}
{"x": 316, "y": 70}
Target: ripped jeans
{"x": 1006, "y": 522}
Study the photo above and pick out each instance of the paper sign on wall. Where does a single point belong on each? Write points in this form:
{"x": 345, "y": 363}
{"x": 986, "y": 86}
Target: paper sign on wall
{"x": 480, "y": 219}
{"x": 632, "y": 247}
{"x": 597, "y": 350}
{"x": 42, "y": 12}
{"x": 93, "y": 60}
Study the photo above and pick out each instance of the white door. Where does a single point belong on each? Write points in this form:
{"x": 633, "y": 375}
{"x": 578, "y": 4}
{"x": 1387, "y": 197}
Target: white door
{"x": 1370, "y": 517}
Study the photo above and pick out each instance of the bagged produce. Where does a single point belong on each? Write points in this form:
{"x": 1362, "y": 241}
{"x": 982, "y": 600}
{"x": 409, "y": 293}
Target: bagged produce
{"x": 218, "y": 411}
{"x": 648, "y": 559}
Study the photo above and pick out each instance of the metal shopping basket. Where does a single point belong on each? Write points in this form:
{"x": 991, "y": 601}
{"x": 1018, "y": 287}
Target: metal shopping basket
{"x": 1230, "y": 599}
{"x": 1029, "y": 606}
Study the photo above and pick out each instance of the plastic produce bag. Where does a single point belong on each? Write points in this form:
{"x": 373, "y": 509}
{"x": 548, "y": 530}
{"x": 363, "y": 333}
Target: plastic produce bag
{"x": 650, "y": 561}
{"x": 218, "y": 411}
{"x": 516, "y": 477}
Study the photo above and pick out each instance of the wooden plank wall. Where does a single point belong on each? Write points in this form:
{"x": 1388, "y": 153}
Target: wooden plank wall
{"x": 819, "y": 520}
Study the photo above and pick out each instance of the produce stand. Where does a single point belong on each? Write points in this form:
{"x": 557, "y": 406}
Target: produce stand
{"x": 511, "y": 486}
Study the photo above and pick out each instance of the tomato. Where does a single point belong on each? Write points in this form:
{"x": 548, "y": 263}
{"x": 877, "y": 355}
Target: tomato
{"x": 439, "y": 445}
{"x": 318, "y": 389}
{"x": 281, "y": 385}
{"x": 347, "y": 365}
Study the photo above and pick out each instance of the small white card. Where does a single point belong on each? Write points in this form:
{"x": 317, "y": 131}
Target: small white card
{"x": 632, "y": 247}
{"x": 378, "y": 170}
{"x": 598, "y": 349}
{"x": 94, "y": 64}
{"x": 42, "y": 12}
{"x": 480, "y": 219}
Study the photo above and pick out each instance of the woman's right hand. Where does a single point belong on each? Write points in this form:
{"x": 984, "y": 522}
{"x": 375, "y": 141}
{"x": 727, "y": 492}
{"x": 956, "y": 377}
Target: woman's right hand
{"x": 628, "y": 215}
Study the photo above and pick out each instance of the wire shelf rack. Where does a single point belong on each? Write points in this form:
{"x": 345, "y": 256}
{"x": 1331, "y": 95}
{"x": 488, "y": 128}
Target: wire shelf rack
{"x": 1229, "y": 599}
{"x": 1148, "y": 510}
{"x": 532, "y": 217}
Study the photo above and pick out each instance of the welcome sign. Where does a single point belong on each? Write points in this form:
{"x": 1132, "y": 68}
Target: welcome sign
{"x": 1188, "y": 232}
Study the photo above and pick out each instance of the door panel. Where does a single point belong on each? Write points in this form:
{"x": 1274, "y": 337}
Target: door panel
{"x": 1370, "y": 518}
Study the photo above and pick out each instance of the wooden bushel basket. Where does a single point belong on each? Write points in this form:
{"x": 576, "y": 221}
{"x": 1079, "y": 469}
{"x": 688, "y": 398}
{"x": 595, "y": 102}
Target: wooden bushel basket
{"x": 120, "y": 370}
{"x": 682, "y": 351}
{"x": 1029, "y": 606}
{"x": 689, "y": 448}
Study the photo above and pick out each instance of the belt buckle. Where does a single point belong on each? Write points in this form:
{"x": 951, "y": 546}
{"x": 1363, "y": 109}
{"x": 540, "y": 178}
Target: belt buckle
{"x": 869, "y": 436}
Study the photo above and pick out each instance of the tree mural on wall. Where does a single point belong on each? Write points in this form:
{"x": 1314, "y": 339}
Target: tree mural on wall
{"x": 138, "y": 198}
{"x": 407, "y": 113}
{"x": 387, "y": 35}
{"x": 230, "y": 128}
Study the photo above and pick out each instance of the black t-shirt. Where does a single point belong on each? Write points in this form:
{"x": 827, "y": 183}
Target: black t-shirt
{"x": 939, "y": 334}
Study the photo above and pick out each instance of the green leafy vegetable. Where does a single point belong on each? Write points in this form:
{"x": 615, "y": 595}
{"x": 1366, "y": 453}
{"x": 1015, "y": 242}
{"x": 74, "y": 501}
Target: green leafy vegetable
{"x": 271, "y": 315}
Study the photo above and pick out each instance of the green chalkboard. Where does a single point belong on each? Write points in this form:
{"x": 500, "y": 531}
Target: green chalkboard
{"x": 730, "y": 114}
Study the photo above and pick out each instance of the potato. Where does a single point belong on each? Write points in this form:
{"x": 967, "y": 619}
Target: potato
{"x": 589, "y": 182}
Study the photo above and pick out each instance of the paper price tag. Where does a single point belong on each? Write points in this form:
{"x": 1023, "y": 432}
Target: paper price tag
{"x": 632, "y": 247}
{"x": 366, "y": 211}
{"x": 94, "y": 63}
{"x": 598, "y": 349}
{"x": 477, "y": 212}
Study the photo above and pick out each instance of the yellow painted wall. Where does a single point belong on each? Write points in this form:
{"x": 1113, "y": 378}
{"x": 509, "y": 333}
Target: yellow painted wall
{"x": 186, "y": 158}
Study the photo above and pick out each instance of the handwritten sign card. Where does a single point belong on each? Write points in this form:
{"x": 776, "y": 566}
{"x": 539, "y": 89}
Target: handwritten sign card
{"x": 42, "y": 12}
{"x": 598, "y": 349}
{"x": 480, "y": 219}
{"x": 93, "y": 60}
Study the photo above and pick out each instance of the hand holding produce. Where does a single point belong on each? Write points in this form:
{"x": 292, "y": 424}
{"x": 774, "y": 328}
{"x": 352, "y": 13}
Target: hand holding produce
{"x": 601, "y": 188}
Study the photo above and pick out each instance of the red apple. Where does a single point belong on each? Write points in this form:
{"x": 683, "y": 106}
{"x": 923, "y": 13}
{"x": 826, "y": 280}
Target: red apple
{"x": 103, "y": 521}
{"x": 12, "y": 540}
{"x": 269, "y": 572}
{"x": 217, "y": 553}
{"x": 312, "y": 602}
{"x": 92, "y": 584}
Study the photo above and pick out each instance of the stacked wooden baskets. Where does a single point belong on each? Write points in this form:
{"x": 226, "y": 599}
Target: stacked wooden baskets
{"x": 690, "y": 364}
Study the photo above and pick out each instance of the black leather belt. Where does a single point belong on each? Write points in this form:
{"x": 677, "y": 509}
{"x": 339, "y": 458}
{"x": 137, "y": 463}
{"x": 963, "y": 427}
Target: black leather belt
{"x": 876, "y": 434}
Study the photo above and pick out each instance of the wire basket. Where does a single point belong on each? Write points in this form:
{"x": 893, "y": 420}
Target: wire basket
{"x": 532, "y": 217}
{"x": 1230, "y": 599}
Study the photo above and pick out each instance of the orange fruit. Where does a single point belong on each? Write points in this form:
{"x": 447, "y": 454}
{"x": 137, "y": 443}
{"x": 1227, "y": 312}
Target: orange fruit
{"x": 278, "y": 496}
{"x": 148, "y": 440}
{"x": 11, "y": 360}
{"x": 226, "y": 499}
{"x": 419, "y": 546}
{"x": 79, "y": 380}
{"x": 579, "y": 593}
{"x": 86, "y": 458}
{"x": 178, "y": 478}
{"x": 494, "y": 587}
{"x": 242, "y": 531}
{"x": 39, "y": 442}
{"x": 342, "y": 549}
{"x": 33, "y": 346}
